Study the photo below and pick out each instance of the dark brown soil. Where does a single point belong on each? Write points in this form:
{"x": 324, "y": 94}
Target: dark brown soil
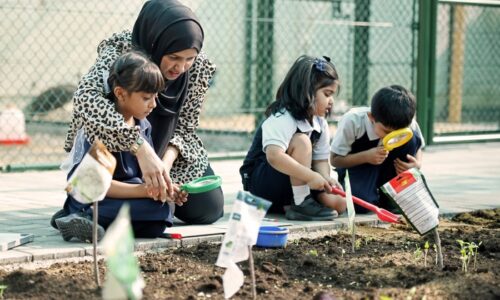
{"x": 385, "y": 264}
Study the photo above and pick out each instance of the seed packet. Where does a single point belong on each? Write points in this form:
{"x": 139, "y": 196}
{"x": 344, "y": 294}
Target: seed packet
{"x": 123, "y": 277}
{"x": 409, "y": 191}
{"x": 92, "y": 178}
{"x": 243, "y": 230}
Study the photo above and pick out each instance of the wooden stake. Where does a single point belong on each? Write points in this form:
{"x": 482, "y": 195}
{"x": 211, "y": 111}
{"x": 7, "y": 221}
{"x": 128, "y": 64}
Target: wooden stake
{"x": 437, "y": 240}
{"x": 354, "y": 239}
{"x": 94, "y": 242}
{"x": 252, "y": 272}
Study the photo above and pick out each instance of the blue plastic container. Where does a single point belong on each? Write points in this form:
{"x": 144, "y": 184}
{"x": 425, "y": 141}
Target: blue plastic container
{"x": 272, "y": 237}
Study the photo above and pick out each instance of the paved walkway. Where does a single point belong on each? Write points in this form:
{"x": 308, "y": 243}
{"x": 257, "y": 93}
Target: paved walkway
{"x": 461, "y": 177}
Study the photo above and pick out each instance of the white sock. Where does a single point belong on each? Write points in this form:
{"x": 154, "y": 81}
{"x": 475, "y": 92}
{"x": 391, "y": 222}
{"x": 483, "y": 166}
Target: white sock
{"x": 300, "y": 192}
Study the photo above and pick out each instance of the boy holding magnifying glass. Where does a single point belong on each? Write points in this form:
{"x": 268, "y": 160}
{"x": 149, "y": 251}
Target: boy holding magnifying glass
{"x": 357, "y": 144}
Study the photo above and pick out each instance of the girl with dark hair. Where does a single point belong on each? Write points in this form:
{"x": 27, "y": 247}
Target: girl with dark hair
{"x": 133, "y": 85}
{"x": 287, "y": 163}
{"x": 171, "y": 35}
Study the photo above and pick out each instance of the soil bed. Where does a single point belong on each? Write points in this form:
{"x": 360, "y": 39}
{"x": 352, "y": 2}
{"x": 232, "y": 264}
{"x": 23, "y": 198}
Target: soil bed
{"x": 385, "y": 264}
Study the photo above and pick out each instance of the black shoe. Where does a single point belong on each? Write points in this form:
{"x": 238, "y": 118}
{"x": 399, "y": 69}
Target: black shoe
{"x": 78, "y": 226}
{"x": 59, "y": 214}
{"x": 310, "y": 210}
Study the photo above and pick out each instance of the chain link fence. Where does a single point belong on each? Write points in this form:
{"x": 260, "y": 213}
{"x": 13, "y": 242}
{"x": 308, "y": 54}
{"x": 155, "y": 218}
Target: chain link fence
{"x": 467, "y": 69}
{"x": 47, "y": 45}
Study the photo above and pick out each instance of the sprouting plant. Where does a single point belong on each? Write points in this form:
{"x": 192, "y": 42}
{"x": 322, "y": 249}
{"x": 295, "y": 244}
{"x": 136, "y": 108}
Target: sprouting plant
{"x": 473, "y": 249}
{"x": 426, "y": 250}
{"x": 357, "y": 244}
{"x": 313, "y": 252}
{"x": 464, "y": 254}
{"x": 368, "y": 239}
{"x": 2, "y": 288}
{"x": 417, "y": 253}
{"x": 342, "y": 252}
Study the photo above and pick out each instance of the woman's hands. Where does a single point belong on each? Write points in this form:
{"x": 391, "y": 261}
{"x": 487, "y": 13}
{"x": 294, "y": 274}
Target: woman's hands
{"x": 179, "y": 196}
{"x": 155, "y": 174}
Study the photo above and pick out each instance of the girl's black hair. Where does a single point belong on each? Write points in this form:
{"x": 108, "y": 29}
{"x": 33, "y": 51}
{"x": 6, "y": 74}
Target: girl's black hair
{"x": 134, "y": 72}
{"x": 296, "y": 92}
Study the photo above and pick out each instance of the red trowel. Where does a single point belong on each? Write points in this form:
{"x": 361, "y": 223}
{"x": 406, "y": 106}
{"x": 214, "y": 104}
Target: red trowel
{"x": 382, "y": 214}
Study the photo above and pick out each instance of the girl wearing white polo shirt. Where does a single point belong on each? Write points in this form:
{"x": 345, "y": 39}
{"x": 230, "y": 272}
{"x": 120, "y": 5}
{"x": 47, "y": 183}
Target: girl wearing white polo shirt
{"x": 287, "y": 163}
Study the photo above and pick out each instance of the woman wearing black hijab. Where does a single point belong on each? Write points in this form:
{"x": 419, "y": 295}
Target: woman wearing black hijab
{"x": 172, "y": 36}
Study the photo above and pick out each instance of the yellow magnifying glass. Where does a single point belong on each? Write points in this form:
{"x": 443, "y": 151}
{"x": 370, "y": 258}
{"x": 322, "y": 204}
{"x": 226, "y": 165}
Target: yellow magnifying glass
{"x": 397, "y": 138}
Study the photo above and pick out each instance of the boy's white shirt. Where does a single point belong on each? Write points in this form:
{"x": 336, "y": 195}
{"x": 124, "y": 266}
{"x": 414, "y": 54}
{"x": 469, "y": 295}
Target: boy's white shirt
{"x": 278, "y": 129}
{"x": 353, "y": 125}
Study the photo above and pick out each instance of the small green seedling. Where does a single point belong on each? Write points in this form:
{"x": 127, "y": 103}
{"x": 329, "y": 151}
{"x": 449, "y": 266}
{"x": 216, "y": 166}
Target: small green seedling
{"x": 313, "y": 252}
{"x": 357, "y": 244}
{"x": 2, "y": 288}
{"x": 368, "y": 239}
{"x": 426, "y": 250}
{"x": 417, "y": 253}
{"x": 467, "y": 251}
{"x": 473, "y": 249}
{"x": 464, "y": 254}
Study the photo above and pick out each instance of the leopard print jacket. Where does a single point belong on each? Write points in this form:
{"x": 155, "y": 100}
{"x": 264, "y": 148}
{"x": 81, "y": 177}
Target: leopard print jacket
{"x": 98, "y": 117}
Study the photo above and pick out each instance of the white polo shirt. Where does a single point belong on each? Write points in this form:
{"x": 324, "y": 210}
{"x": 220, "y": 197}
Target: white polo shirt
{"x": 353, "y": 125}
{"x": 278, "y": 129}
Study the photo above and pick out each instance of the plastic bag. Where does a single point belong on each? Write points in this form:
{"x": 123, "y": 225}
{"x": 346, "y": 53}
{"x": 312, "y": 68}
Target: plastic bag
{"x": 76, "y": 154}
{"x": 92, "y": 178}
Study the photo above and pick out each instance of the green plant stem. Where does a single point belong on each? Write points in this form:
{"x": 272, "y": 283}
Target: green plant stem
{"x": 2, "y": 288}
{"x": 439, "y": 252}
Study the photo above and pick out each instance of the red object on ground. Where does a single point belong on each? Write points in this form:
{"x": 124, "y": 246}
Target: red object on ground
{"x": 175, "y": 236}
{"x": 382, "y": 214}
{"x": 22, "y": 141}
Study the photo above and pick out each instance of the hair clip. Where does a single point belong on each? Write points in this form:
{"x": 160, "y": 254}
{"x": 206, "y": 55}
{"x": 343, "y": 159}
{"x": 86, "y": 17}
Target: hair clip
{"x": 320, "y": 64}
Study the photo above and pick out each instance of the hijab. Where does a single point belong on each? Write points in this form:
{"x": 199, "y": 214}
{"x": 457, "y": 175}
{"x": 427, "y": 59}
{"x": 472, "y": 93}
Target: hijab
{"x": 164, "y": 27}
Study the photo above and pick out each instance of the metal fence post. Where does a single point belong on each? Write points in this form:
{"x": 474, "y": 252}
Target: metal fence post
{"x": 426, "y": 64}
{"x": 361, "y": 49}
{"x": 249, "y": 102}
{"x": 264, "y": 56}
